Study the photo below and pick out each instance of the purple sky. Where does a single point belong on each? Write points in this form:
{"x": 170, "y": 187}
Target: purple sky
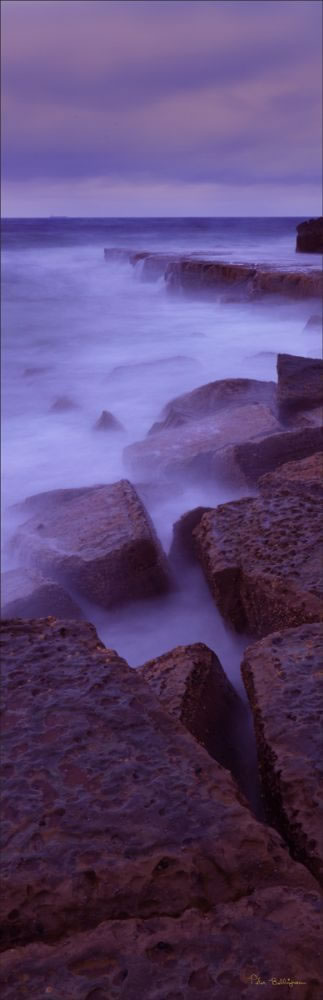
{"x": 161, "y": 108}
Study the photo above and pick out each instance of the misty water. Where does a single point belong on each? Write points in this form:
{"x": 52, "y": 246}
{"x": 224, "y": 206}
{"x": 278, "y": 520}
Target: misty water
{"x": 92, "y": 330}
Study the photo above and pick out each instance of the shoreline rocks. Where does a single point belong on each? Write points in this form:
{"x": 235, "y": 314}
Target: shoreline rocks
{"x": 107, "y": 422}
{"x": 300, "y": 382}
{"x": 310, "y": 236}
{"x": 210, "y": 399}
{"x": 28, "y": 594}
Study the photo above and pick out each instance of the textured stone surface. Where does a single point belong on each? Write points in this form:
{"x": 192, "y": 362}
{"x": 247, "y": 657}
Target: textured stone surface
{"x": 263, "y": 557}
{"x": 110, "y": 810}
{"x": 309, "y": 471}
{"x": 209, "y": 399}
{"x": 183, "y": 543}
{"x": 310, "y": 236}
{"x": 271, "y": 934}
{"x": 101, "y": 542}
{"x": 197, "y": 275}
{"x": 284, "y": 680}
{"x": 300, "y": 382}
{"x": 191, "y": 684}
{"x": 199, "y": 446}
{"x": 27, "y": 594}
{"x": 255, "y": 458}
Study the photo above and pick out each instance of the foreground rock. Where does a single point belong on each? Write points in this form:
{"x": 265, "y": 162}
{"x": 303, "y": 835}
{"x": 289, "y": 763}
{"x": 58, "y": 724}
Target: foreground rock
{"x": 300, "y": 382}
{"x": 305, "y": 473}
{"x": 255, "y": 458}
{"x": 111, "y": 811}
{"x": 283, "y": 677}
{"x": 107, "y": 422}
{"x": 262, "y": 557}
{"x": 310, "y": 236}
{"x": 272, "y": 935}
{"x": 27, "y": 594}
{"x": 209, "y": 399}
{"x": 191, "y": 684}
{"x": 101, "y": 542}
{"x": 203, "y": 447}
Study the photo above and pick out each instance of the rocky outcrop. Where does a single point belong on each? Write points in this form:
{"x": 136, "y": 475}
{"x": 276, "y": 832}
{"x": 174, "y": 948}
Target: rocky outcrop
{"x": 308, "y": 472}
{"x": 210, "y": 399}
{"x": 262, "y": 557}
{"x": 255, "y": 458}
{"x": 270, "y": 937}
{"x": 183, "y": 545}
{"x": 27, "y": 594}
{"x": 310, "y": 236}
{"x": 300, "y": 382}
{"x": 101, "y": 542}
{"x": 202, "y": 447}
{"x": 283, "y": 678}
{"x": 192, "y": 686}
{"x": 112, "y": 812}
{"x": 107, "y": 422}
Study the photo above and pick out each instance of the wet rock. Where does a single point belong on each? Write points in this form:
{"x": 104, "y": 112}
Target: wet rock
{"x": 102, "y": 543}
{"x": 219, "y": 955}
{"x": 62, "y": 404}
{"x": 107, "y": 422}
{"x": 183, "y": 544}
{"x": 255, "y": 458}
{"x": 291, "y": 284}
{"x": 310, "y": 236}
{"x": 309, "y": 471}
{"x": 209, "y": 276}
{"x": 50, "y": 500}
{"x": 300, "y": 382}
{"x": 262, "y": 557}
{"x": 197, "y": 447}
{"x": 27, "y": 594}
{"x": 111, "y": 811}
{"x": 192, "y": 686}
{"x": 283, "y": 679}
{"x": 214, "y": 397}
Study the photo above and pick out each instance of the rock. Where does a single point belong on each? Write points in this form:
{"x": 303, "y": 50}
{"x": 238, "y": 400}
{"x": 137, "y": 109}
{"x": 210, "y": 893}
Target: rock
{"x": 198, "y": 448}
{"x": 107, "y": 422}
{"x": 255, "y": 458}
{"x": 111, "y": 811}
{"x": 183, "y": 545}
{"x": 310, "y": 236}
{"x": 283, "y": 679}
{"x": 192, "y": 686}
{"x": 102, "y": 543}
{"x": 62, "y": 404}
{"x": 210, "y": 276}
{"x": 309, "y": 471}
{"x": 300, "y": 382}
{"x": 314, "y": 323}
{"x": 219, "y": 955}
{"x": 262, "y": 557}
{"x": 214, "y": 397}
{"x": 44, "y": 503}
{"x": 291, "y": 284}
{"x": 27, "y": 594}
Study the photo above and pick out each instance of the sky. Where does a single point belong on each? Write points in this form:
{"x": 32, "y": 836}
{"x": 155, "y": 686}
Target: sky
{"x": 172, "y": 108}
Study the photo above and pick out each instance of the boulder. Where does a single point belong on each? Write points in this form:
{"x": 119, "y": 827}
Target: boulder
{"x": 27, "y": 594}
{"x": 62, "y": 404}
{"x": 107, "y": 422}
{"x": 255, "y": 458}
{"x": 111, "y": 810}
{"x": 214, "y": 397}
{"x": 283, "y": 678}
{"x": 307, "y": 472}
{"x": 210, "y": 277}
{"x": 50, "y": 500}
{"x": 270, "y": 938}
{"x": 183, "y": 546}
{"x": 300, "y": 382}
{"x": 310, "y": 236}
{"x": 262, "y": 557}
{"x": 191, "y": 684}
{"x": 101, "y": 542}
{"x": 198, "y": 448}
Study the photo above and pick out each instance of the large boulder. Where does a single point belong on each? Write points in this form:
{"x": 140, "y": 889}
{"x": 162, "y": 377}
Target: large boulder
{"x": 270, "y": 938}
{"x": 300, "y": 382}
{"x": 101, "y": 542}
{"x": 262, "y": 557}
{"x": 203, "y": 446}
{"x": 310, "y": 236}
{"x": 307, "y": 472}
{"x": 28, "y": 594}
{"x": 209, "y": 399}
{"x": 283, "y": 677}
{"x": 112, "y": 811}
{"x": 191, "y": 684}
{"x": 255, "y": 458}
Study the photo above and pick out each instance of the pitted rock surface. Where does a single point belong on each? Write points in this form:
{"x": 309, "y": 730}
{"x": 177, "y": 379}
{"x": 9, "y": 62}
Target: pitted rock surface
{"x": 300, "y": 382}
{"x": 270, "y": 934}
{"x": 102, "y": 543}
{"x": 255, "y": 458}
{"x": 110, "y": 809}
{"x": 263, "y": 557}
{"x": 284, "y": 680}
{"x": 197, "y": 446}
{"x": 27, "y": 594}
{"x": 191, "y": 684}
{"x": 307, "y": 472}
{"x": 214, "y": 397}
